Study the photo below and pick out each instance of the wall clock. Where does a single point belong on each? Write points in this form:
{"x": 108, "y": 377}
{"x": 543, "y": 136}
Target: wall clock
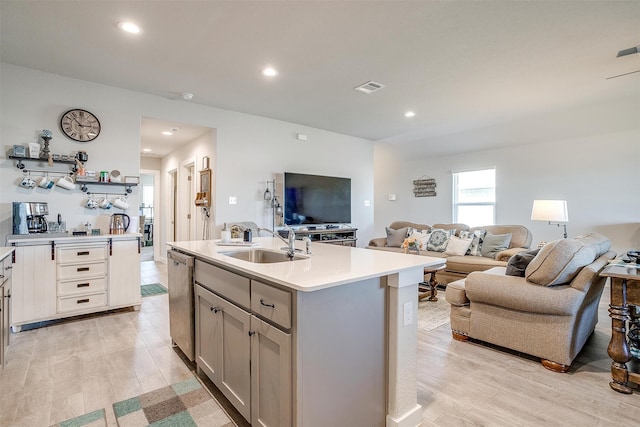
{"x": 80, "y": 125}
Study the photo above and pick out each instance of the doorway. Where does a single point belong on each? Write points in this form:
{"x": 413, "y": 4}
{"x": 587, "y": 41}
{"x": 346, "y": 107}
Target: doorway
{"x": 148, "y": 212}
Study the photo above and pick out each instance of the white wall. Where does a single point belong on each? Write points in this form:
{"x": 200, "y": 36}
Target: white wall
{"x": 151, "y": 163}
{"x": 597, "y": 176}
{"x": 250, "y": 149}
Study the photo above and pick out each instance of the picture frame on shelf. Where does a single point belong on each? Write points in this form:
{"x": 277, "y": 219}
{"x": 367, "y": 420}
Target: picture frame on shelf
{"x": 131, "y": 179}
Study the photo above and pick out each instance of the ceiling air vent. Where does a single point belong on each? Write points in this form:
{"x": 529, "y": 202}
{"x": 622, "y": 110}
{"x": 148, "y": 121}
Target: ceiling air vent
{"x": 369, "y": 87}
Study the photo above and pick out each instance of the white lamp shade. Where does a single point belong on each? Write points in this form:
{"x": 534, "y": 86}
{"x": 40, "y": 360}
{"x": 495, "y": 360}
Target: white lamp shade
{"x": 550, "y": 210}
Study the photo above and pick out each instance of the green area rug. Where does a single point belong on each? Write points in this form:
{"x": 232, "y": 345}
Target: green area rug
{"x": 182, "y": 404}
{"x": 92, "y": 419}
{"x": 152, "y": 289}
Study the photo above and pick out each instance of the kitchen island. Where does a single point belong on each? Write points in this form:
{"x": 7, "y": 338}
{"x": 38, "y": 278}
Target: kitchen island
{"x": 327, "y": 339}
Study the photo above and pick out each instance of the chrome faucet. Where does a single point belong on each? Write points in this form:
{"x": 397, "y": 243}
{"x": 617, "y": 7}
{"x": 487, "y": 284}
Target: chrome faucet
{"x": 291, "y": 248}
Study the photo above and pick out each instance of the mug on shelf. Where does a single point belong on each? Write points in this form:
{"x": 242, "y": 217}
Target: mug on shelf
{"x": 121, "y": 203}
{"x": 45, "y": 182}
{"x": 91, "y": 203}
{"x": 27, "y": 182}
{"x": 105, "y": 203}
{"x": 66, "y": 182}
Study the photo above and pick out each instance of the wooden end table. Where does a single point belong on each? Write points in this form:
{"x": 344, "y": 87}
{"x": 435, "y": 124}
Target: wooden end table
{"x": 625, "y": 291}
{"x": 429, "y": 289}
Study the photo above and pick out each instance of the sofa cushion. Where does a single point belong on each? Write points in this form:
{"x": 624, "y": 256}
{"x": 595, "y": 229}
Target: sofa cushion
{"x": 396, "y": 237}
{"x": 455, "y": 293}
{"x": 494, "y": 243}
{"x": 560, "y": 261}
{"x": 438, "y": 240}
{"x": 518, "y": 263}
{"x": 457, "y": 246}
{"x": 465, "y": 264}
{"x": 453, "y": 228}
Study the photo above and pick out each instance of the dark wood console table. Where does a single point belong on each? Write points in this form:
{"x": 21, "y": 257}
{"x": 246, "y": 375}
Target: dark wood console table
{"x": 625, "y": 292}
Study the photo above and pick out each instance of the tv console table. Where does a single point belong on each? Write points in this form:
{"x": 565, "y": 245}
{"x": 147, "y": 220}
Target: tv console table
{"x": 334, "y": 236}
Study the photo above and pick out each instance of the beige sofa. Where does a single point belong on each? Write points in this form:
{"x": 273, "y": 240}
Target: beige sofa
{"x": 549, "y": 313}
{"x": 458, "y": 266}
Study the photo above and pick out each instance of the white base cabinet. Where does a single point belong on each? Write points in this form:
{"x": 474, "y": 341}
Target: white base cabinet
{"x": 53, "y": 280}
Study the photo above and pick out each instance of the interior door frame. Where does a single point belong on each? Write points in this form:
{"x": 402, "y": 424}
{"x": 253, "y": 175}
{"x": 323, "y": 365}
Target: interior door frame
{"x": 157, "y": 211}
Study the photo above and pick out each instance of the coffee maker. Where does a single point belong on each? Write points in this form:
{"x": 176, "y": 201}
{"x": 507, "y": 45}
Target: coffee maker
{"x": 29, "y": 217}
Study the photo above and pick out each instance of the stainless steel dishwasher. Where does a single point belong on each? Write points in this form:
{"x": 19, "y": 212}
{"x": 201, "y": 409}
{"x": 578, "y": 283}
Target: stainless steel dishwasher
{"x": 181, "y": 309}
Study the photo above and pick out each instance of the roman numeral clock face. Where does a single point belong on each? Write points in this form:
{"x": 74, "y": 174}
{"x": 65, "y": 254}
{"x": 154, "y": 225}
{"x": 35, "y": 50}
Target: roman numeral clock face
{"x": 80, "y": 125}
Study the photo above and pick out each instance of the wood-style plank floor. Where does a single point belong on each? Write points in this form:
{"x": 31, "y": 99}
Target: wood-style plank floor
{"x": 471, "y": 384}
{"x": 60, "y": 372}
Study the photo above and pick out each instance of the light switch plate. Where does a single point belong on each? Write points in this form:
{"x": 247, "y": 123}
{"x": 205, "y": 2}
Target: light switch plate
{"x": 392, "y": 197}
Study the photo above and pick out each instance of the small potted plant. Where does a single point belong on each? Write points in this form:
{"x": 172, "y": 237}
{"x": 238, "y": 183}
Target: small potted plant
{"x": 411, "y": 244}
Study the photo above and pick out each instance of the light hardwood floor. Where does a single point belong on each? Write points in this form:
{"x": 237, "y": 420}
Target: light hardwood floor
{"x": 59, "y": 372}
{"x": 471, "y": 384}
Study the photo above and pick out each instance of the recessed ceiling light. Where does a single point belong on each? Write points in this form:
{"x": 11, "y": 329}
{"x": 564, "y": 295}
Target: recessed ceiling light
{"x": 409, "y": 114}
{"x": 129, "y": 27}
{"x": 147, "y": 150}
{"x": 167, "y": 132}
{"x": 269, "y": 72}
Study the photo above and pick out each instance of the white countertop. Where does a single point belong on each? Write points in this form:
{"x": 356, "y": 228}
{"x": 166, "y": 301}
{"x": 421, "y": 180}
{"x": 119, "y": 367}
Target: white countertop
{"x": 5, "y": 252}
{"x": 327, "y": 266}
{"x": 66, "y": 238}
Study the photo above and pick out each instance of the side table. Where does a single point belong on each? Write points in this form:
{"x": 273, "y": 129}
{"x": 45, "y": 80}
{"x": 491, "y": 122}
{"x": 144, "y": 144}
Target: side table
{"x": 625, "y": 291}
{"x": 429, "y": 289}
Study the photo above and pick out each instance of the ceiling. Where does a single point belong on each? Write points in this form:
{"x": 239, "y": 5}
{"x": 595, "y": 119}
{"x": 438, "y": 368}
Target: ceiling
{"x": 459, "y": 65}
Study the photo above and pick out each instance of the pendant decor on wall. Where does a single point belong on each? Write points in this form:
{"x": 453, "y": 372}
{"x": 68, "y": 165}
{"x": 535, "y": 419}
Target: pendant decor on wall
{"x": 424, "y": 187}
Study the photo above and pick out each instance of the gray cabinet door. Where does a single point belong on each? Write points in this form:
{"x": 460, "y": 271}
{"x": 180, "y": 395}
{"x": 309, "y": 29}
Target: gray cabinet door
{"x": 223, "y": 347}
{"x": 270, "y": 375}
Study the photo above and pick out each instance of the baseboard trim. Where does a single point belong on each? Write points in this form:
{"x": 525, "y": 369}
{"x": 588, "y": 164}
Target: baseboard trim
{"x": 412, "y": 418}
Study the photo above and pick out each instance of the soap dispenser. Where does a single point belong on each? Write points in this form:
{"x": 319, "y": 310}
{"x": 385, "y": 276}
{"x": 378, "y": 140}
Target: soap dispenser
{"x": 225, "y": 236}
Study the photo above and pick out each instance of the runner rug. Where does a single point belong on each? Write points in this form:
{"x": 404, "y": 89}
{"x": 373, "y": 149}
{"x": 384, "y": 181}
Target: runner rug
{"x": 152, "y": 289}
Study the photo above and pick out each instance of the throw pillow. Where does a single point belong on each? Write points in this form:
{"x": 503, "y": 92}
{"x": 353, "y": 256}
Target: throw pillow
{"x": 494, "y": 243}
{"x": 560, "y": 261}
{"x": 476, "y": 243}
{"x": 396, "y": 237}
{"x": 422, "y": 237}
{"x": 458, "y": 246}
{"x": 518, "y": 263}
{"x": 438, "y": 240}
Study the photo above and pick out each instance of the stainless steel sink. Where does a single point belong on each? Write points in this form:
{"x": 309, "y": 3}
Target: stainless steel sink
{"x": 262, "y": 256}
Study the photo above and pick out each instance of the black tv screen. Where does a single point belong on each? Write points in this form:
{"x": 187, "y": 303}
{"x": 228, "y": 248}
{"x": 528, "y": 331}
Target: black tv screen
{"x": 315, "y": 199}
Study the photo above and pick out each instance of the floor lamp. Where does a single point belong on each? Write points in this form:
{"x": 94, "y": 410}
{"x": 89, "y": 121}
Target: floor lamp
{"x": 553, "y": 211}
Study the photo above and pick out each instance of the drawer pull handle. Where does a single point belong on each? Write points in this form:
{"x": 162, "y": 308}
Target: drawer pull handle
{"x": 267, "y": 305}
{"x": 83, "y": 253}
{"x": 216, "y": 309}
{"x": 252, "y": 333}
{"x": 82, "y": 301}
{"x": 83, "y": 285}
{"x": 83, "y": 268}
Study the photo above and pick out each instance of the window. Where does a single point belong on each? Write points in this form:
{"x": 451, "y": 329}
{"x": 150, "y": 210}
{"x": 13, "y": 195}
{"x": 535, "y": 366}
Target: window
{"x": 474, "y": 197}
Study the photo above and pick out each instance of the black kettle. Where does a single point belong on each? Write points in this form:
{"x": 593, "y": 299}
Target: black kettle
{"x": 119, "y": 223}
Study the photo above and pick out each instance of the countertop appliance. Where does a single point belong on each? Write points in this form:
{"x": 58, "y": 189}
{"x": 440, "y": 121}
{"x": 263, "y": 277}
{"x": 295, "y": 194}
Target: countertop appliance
{"x": 181, "y": 303}
{"x": 119, "y": 223}
{"x": 30, "y": 217}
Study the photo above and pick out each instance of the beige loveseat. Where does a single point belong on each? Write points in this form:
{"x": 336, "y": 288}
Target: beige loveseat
{"x": 549, "y": 313}
{"x": 458, "y": 266}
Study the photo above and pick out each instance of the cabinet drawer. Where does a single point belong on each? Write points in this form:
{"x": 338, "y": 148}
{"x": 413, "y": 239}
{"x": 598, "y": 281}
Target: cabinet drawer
{"x": 229, "y": 285}
{"x": 79, "y": 271}
{"x": 271, "y": 303}
{"x": 82, "y": 302}
{"x": 82, "y": 286}
{"x": 81, "y": 254}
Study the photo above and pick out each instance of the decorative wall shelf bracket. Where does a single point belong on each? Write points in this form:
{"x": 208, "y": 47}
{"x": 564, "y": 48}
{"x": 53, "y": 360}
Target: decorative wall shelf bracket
{"x": 84, "y": 185}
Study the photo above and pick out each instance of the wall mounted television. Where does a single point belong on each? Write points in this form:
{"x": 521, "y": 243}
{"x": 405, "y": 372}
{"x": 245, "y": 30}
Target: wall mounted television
{"x": 316, "y": 199}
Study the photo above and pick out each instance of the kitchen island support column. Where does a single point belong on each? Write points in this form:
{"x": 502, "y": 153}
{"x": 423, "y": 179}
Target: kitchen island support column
{"x": 403, "y": 409}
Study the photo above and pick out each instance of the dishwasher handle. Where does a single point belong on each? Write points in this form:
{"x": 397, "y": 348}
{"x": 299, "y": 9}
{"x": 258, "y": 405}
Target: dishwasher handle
{"x": 180, "y": 258}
